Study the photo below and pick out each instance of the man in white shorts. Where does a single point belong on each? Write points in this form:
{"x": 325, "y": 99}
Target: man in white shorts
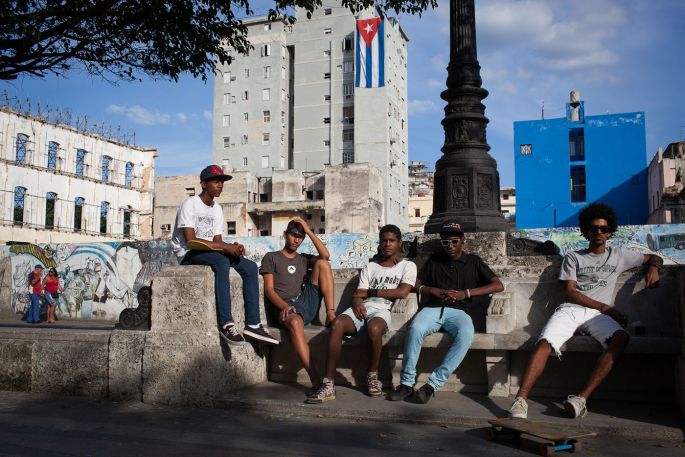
{"x": 590, "y": 277}
{"x": 381, "y": 282}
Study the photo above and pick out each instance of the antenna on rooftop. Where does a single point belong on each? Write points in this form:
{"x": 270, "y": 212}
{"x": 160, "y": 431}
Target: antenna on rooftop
{"x": 543, "y": 110}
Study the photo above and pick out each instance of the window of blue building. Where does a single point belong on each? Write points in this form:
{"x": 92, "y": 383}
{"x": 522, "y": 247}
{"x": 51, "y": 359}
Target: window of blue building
{"x": 22, "y": 142}
{"x": 80, "y": 161}
{"x": 576, "y": 143}
{"x": 578, "y": 183}
{"x": 128, "y": 174}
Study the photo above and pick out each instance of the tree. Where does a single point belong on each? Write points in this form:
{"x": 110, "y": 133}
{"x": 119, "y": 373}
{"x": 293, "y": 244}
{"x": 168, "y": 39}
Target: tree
{"x": 128, "y": 38}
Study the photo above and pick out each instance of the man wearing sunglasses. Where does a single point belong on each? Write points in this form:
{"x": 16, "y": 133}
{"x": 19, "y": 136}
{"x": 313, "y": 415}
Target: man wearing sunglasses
{"x": 589, "y": 278}
{"x": 449, "y": 280}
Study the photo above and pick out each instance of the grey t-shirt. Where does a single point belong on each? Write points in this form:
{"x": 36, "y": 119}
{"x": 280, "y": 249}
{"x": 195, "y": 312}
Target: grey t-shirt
{"x": 596, "y": 274}
{"x": 288, "y": 273}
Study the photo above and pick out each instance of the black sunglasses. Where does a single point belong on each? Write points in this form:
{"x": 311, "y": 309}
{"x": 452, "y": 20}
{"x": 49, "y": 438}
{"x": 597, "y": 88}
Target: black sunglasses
{"x": 446, "y": 243}
{"x": 599, "y": 229}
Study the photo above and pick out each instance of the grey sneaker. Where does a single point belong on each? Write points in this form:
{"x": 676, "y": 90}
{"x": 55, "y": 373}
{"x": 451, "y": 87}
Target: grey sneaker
{"x": 374, "y": 386}
{"x": 519, "y": 408}
{"x": 260, "y": 334}
{"x": 575, "y": 406}
{"x": 325, "y": 393}
{"x": 231, "y": 334}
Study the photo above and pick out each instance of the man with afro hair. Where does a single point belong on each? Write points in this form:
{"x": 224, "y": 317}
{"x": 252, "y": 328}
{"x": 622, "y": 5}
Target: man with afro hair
{"x": 589, "y": 277}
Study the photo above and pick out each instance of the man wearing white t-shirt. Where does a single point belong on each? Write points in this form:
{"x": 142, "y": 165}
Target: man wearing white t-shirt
{"x": 200, "y": 218}
{"x": 589, "y": 277}
{"x": 380, "y": 283}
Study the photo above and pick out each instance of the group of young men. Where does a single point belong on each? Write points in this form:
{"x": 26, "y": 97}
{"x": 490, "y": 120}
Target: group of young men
{"x": 296, "y": 284}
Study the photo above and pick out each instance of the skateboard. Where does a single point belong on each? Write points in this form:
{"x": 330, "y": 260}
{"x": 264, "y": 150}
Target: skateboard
{"x": 200, "y": 245}
{"x": 556, "y": 437}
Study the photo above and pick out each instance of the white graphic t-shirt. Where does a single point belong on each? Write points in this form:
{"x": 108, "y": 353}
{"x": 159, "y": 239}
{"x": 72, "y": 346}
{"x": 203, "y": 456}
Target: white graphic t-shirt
{"x": 376, "y": 276}
{"x": 208, "y": 221}
{"x": 596, "y": 274}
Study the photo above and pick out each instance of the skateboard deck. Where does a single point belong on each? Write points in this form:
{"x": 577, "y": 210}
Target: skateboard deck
{"x": 557, "y": 437}
{"x": 200, "y": 245}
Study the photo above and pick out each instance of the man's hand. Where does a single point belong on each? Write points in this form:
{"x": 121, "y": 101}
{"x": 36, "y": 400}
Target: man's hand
{"x": 359, "y": 309}
{"x": 330, "y": 317}
{"x": 235, "y": 249}
{"x": 305, "y": 226}
{"x": 454, "y": 296}
{"x": 652, "y": 278}
{"x": 616, "y": 315}
{"x": 287, "y": 310}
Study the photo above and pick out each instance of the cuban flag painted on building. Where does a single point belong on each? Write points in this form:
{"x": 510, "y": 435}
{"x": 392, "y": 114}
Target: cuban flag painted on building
{"x": 370, "y": 57}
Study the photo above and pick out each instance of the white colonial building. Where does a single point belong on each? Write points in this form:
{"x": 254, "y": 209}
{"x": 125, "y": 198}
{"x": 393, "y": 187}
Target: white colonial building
{"x": 61, "y": 184}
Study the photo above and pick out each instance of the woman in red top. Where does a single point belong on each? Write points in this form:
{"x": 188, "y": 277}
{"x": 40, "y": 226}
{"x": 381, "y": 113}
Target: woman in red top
{"x": 52, "y": 290}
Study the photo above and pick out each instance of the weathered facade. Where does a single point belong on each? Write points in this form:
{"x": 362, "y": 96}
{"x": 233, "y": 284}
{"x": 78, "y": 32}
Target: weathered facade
{"x": 61, "y": 184}
{"x": 666, "y": 185}
{"x": 292, "y": 104}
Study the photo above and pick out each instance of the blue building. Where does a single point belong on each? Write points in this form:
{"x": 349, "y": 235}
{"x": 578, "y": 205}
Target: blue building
{"x": 564, "y": 164}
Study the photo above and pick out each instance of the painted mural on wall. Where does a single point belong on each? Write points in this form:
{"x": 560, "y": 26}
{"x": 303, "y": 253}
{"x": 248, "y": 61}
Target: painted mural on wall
{"x": 667, "y": 241}
{"x": 102, "y": 279}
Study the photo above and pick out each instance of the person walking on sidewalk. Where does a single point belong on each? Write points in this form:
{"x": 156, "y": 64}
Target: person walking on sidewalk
{"x": 589, "y": 278}
{"x": 35, "y": 291}
{"x": 295, "y": 293}
{"x": 381, "y": 281}
{"x": 201, "y": 218}
{"x": 52, "y": 289}
{"x": 450, "y": 279}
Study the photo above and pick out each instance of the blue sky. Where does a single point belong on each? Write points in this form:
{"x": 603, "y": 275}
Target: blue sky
{"x": 623, "y": 56}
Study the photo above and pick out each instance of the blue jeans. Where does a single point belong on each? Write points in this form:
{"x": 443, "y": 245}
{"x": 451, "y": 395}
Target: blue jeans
{"x": 220, "y": 264}
{"x": 427, "y": 321}
{"x": 33, "y": 316}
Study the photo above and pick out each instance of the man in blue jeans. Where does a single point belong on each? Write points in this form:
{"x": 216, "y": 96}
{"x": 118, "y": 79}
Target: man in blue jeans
{"x": 200, "y": 218}
{"x": 450, "y": 279}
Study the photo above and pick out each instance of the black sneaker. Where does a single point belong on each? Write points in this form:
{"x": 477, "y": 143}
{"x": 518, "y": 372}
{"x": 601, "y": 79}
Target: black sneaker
{"x": 231, "y": 334}
{"x": 423, "y": 394}
{"x": 260, "y": 333}
{"x": 400, "y": 393}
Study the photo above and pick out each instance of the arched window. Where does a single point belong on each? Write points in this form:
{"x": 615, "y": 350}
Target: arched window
{"x": 19, "y": 200}
{"x": 22, "y": 143}
{"x": 127, "y": 221}
{"x": 50, "y": 200}
{"x": 106, "y": 161}
{"x": 128, "y": 174}
{"x": 78, "y": 213}
{"x": 80, "y": 161}
{"x": 104, "y": 209}
{"x": 53, "y": 147}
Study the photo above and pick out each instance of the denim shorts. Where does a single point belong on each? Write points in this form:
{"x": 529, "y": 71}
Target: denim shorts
{"x": 306, "y": 304}
{"x": 371, "y": 312}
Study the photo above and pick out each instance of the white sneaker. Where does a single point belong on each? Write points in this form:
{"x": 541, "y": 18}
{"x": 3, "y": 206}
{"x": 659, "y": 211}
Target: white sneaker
{"x": 575, "y": 406}
{"x": 519, "y": 409}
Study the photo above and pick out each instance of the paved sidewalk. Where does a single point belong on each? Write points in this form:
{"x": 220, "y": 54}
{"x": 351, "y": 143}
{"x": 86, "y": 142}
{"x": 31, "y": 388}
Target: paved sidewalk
{"x": 635, "y": 420}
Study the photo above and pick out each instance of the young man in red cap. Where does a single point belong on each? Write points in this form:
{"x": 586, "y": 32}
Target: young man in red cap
{"x": 450, "y": 279}
{"x": 200, "y": 218}
{"x": 294, "y": 292}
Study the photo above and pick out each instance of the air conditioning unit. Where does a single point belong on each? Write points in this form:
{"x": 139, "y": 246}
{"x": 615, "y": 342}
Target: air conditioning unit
{"x": 166, "y": 227}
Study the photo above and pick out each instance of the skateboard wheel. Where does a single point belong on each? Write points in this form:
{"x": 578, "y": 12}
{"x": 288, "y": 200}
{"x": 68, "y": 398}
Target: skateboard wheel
{"x": 490, "y": 434}
{"x": 546, "y": 450}
{"x": 576, "y": 447}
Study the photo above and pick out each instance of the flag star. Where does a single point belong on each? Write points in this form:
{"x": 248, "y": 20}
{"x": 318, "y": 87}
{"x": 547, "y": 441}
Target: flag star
{"x": 368, "y": 28}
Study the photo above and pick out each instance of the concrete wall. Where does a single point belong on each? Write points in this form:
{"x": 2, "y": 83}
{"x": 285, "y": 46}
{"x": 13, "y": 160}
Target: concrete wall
{"x": 615, "y": 169}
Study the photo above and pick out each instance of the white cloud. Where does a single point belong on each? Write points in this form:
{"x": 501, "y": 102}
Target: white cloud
{"x": 422, "y": 106}
{"x": 144, "y": 116}
{"x": 435, "y": 84}
{"x": 207, "y": 115}
{"x": 181, "y": 118}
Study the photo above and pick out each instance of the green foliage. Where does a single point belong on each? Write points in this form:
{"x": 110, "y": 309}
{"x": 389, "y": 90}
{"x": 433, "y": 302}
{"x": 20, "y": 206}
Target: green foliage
{"x": 124, "y": 39}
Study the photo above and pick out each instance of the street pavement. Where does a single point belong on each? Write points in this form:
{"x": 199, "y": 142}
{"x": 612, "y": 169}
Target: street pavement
{"x": 33, "y": 424}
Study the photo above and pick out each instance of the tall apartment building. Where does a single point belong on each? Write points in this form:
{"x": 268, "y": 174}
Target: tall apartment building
{"x": 292, "y": 103}
{"x": 59, "y": 184}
